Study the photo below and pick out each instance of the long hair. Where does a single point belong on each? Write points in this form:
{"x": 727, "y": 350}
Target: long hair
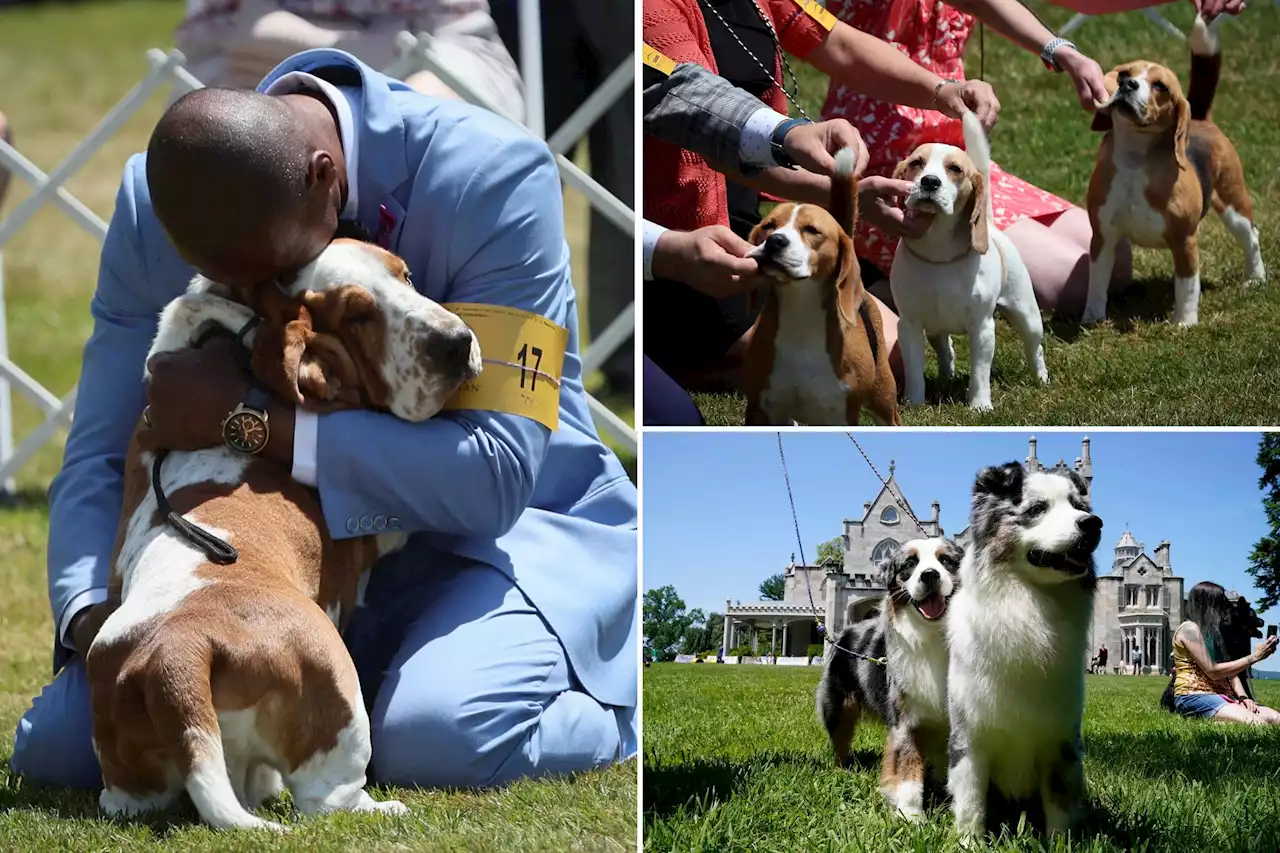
{"x": 1207, "y": 607}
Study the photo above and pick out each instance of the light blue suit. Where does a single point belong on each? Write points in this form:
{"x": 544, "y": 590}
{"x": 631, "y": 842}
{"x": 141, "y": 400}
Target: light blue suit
{"x": 506, "y": 630}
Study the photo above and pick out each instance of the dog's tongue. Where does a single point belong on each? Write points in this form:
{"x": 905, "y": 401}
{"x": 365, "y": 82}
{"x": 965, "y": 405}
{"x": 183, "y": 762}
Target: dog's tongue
{"x": 933, "y": 606}
{"x": 915, "y": 222}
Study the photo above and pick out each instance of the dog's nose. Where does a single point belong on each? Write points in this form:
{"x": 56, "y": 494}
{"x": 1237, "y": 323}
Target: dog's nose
{"x": 775, "y": 243}
{"x": 1129, "y": 84}
{"x": 450, "y": 348}
{"x": 929, "y": 576}
{"x": 932, "y": 183}
{"x": 1090, "y": 524}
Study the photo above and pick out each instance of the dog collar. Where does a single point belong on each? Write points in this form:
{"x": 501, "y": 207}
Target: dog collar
{"x": 1003, "y": 267}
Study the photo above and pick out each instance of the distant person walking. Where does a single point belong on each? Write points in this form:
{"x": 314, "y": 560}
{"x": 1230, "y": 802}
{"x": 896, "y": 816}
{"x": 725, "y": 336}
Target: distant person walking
{"x": 1203, "y": 684}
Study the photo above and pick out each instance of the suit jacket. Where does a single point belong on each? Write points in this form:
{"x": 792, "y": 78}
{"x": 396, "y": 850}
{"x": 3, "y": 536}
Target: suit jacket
{"x": 700, "y": 111}
{"x": 478, "y": 217}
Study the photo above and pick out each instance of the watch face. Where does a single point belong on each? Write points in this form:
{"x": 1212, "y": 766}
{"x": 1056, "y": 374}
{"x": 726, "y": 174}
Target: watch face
{"x": 245, "y": 432}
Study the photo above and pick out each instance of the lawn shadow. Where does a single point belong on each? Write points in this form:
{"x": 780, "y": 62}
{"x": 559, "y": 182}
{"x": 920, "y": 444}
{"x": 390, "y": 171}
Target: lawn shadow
{"x": 24, "y": 498}
{"x": 695, "y": 785}
{"x": 1206, "y": 755}
{"x": 1148, "y": 300}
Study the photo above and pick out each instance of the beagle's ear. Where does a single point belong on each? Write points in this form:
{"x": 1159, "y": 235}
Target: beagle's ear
{"x": 900, "y": 170}
{"x": 1181, "y": 128}
{"x": 1102, "y": 121}
{"x": 847, "y": 261}
{"x": 978, "y": 220}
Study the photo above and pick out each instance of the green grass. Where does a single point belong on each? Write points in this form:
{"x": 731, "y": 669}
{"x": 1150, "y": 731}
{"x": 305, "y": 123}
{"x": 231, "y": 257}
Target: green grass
{"x": 1136, "y": 368}
{"x": 734, "y": 759}
{"x": 65, "y": 66}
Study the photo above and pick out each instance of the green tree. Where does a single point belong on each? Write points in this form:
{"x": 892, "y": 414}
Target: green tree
{"x": 773, "y": 588}
{"x": 831, "y": 551}
{"x": 704, "y": 634}
{"x": 1264, "y": 562}
{"x": 666, "y": 621}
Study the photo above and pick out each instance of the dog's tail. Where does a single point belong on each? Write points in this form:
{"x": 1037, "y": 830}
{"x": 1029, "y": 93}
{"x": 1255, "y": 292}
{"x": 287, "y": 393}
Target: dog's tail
{"x": 1206, "y": 66}
{"x": 1166, "y": 698}
{"x": 180, "y": 705}
{"x": 978, "y": 147}
{"x": 844, "y": 191}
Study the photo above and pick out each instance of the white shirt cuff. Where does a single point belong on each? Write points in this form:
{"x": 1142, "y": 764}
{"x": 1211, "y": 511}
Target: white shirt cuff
{"x": 652, "y": 232}
{"x": 306, "y": 434}
{"x": 88, "y": 598}
{"x": 755, "y": 144}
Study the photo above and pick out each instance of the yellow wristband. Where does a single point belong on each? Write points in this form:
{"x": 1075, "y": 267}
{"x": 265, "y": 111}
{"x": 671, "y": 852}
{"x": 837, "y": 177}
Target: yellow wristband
{"x": 523, "y": 358}
{"x": 659, "y": 61}
{"x": 818, "y": 12}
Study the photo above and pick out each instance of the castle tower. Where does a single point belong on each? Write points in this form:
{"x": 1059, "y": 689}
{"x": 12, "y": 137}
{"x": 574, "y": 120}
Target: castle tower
{"x": 1162, "y": 557}
{"x": 1033, "y": 464}
{"x": 1126, "y": 550}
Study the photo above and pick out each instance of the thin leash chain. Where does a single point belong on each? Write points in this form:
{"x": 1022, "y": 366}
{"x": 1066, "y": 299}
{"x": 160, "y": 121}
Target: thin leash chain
{"x": 778, "y": 52}
{"x": 808, "y": 585}
{"x": 885, "y": 483}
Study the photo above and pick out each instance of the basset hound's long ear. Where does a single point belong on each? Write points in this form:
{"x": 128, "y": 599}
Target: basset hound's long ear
{"x": 278, "y": 348}
{"x": 979, "y": 223}
{"x": 327, "y": 377}
{"x": 1102, "y": 120}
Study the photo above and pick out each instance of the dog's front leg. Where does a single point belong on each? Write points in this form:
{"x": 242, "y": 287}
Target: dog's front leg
{"x": 982, "y": 351}
{"x": 1186, "y": 280}
{"x": 1062, "y": 789}
{"x": 967, "y": 778}
{"x": 1102, "y": 262}
{"x": 911, "y": 344}
{"x": 909, "y": 765}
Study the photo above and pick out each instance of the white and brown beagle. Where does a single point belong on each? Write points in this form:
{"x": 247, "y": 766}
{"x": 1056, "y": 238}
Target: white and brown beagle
{"x": 1162, "y": 164}
{"x": 230, "y": 680}
{"x": 817, "y": 353}
{"x": 960, "y": 271}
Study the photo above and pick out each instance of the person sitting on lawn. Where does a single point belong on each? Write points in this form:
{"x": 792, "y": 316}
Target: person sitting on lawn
{"x": 500, "y": 642}
{"x": 1204, "y": 685}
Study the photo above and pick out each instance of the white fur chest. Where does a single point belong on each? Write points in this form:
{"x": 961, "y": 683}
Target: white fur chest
{"x": 803, "y": 385}
{"x": 1126, "y": 212}
{"x": 946, "y": 298}
{"x": 918, "y": 666}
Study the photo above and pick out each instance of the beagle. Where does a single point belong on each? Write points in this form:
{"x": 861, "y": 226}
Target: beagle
{"x": 948, "y": 280}
{"x": 1162, "y": 164}
{"x": 230, "y": 680}
{"x": 817, "y": 352}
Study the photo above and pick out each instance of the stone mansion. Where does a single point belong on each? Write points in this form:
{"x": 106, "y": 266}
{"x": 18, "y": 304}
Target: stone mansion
{"x": 1139, "y": 600}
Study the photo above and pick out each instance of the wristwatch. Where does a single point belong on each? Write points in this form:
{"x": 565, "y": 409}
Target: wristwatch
{"x": 780, "y": 155}
{"x": 245, "y": 430}
{"x": 1046, "y": 55}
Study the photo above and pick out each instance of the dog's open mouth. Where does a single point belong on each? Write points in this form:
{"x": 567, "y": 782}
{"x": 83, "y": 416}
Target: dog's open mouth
{"x": 932, "y": 608}
{"x": 916, "y": 220}
{"x": 1074, "y": 561}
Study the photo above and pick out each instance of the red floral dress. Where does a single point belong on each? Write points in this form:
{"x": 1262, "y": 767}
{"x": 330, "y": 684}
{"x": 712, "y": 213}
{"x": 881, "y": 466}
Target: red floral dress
{"x": 934, "y": 36}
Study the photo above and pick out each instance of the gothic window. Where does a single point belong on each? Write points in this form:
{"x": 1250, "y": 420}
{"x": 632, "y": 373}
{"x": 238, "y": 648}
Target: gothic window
{"x": 1131, "y": 596}
{"x": 885, "y": 550}
{"x": 889, "y": 516}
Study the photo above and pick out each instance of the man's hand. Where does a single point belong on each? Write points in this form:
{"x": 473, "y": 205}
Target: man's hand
{"x": 1085, "y": 74}
{"x": 878, "y": 200}
{"x": 1210, "y": 9}
{"x": 190, "y": 394}
{"x": 814, "y": 146}
{"x": 710, "y": 260}
{"x": 955, "y": 99}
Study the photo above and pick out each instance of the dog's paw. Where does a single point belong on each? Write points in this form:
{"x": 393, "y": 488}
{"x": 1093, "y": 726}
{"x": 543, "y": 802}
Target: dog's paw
{"x": 910, "y": 813}
{"x": 1093, "y": 316}
{"x": 981, "y": 405}
{"x": 391, "y": 807}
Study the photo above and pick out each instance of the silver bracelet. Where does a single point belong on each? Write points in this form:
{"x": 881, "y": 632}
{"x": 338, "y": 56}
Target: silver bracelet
{"x": 938, "y": 88}
{"x": 1046, "y": 55}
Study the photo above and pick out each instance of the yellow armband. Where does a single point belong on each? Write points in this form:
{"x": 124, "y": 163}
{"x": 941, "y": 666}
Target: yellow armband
{"x": 659, "y": 61}
{"x": 523, "y": 358}
{"x": 818, "y": 12}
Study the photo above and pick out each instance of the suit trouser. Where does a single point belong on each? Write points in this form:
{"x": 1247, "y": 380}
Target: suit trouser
{"x": 467, "y": 684}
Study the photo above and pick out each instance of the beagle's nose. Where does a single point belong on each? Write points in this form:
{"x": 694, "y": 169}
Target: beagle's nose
{"x": 775, "y": 243}
{"x": 1129, "y": 83}
{"x": 931, "y": 183}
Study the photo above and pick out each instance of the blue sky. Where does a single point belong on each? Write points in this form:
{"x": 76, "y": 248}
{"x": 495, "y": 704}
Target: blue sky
{"x": 716, "y": 518}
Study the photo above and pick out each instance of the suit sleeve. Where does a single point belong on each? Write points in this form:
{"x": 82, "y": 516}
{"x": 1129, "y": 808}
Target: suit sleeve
{"x": 466, "y": 473}
{"x": 86, "y": 495}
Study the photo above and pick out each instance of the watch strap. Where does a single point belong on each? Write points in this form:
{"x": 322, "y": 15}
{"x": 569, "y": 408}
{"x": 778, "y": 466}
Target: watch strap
{"x": 258, "y": 396}
{"x": 1046, "y": 55}
{"x": 780, "y": 155}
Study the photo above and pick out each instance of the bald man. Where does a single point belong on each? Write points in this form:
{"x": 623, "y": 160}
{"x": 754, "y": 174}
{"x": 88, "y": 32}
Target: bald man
{"x": 501, "y": 641}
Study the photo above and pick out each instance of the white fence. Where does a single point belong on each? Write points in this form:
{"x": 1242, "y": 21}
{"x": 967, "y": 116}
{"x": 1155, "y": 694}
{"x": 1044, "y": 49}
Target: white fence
{"x": 167, "y": 69}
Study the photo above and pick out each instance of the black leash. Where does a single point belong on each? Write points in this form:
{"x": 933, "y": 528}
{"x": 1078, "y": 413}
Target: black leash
{"x": 218, "y": 551}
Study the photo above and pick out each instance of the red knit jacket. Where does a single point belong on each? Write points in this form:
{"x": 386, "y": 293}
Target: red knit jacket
{"x": 680, "y": 190}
